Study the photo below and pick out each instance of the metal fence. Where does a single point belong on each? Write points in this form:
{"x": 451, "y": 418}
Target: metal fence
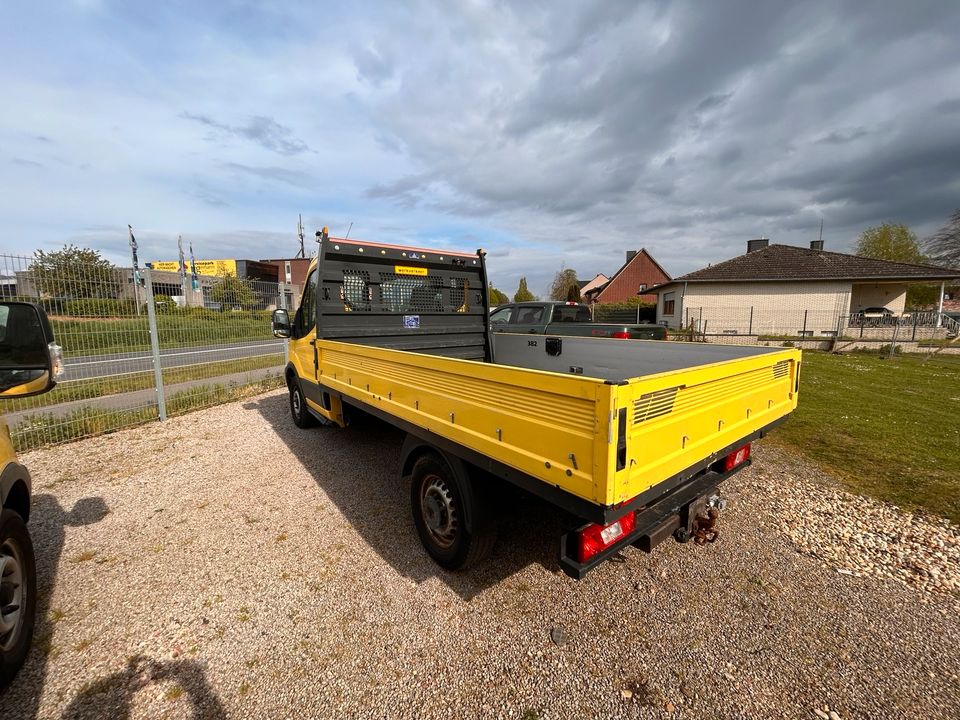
{"x": 739, "y": 324}
{"x": 133, "y": 355}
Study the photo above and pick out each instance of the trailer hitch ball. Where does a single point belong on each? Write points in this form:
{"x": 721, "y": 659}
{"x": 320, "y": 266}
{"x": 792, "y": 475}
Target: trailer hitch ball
{"x": 715, "y": 501}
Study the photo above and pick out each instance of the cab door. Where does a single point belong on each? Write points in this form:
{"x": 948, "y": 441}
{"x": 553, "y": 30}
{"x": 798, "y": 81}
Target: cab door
{"x": 529, "y": 319}
{"x": 303, "y": 352}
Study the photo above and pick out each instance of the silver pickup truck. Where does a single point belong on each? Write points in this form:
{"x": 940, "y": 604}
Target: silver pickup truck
{"x": 565, "y": 318}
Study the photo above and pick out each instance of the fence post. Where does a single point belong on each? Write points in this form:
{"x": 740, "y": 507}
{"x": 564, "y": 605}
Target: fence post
{"x": 155, "y": 346}
{"x": 750, "y": 330}
{"x": 700, "y": 321}
{"x": 283, "y": 304}
{"x": 804, "y": 333}
{"x": 638, "y": 314}
{"x": 916, "y": 316}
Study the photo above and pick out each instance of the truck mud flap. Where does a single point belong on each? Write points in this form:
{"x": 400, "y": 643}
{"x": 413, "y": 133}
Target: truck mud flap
{"x": 677, "y": 510}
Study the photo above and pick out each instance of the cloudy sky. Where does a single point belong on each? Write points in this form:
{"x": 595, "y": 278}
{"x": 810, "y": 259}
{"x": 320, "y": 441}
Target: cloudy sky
{"x": 549, "y": 133}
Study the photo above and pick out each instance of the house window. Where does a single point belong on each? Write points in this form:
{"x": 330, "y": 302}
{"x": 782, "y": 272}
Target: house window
{"x": 669, "y": 303}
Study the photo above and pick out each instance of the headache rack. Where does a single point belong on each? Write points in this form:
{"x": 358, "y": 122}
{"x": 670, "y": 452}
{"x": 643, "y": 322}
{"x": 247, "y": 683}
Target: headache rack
{"x": 402, "y": 298}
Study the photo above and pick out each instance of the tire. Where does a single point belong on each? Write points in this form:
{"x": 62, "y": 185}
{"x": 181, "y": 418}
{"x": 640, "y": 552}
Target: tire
{"x": 18, "y": 594}
{"x": 437, "y": 498}
{"x": 298, "y": 406}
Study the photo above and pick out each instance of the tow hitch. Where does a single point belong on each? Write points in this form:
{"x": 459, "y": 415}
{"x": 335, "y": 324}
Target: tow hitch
{"x": 702, "y": 524}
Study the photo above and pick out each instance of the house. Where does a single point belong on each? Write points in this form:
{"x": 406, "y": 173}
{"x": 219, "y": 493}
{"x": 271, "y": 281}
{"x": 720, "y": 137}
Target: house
{"x": 782, "y": 289}
{"x": 588, "y": 285}
{"x": 639, "y": 273}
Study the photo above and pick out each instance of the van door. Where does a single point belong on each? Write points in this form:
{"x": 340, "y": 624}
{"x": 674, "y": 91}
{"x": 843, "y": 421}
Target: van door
{"x": 303, "y": 352}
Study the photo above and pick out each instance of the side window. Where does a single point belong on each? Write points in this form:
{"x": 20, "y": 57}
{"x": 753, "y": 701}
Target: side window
{"x": 501, "y": 316}
{"x": 530, "y": 315}
{"x": 308, "y": 306}
{"x": 669, "y": 303}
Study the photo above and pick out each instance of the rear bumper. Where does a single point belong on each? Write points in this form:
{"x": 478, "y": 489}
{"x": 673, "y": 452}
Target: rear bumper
{"x": 655, "y": 523}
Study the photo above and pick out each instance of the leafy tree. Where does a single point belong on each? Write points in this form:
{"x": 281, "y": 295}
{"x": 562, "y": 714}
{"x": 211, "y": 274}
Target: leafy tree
{"x": 497, "y": 297}
{"x": 76, "y": 273}
{"x": 895, "y": 241}
{"x": 573, "y": 293}
{"x": 944, "y": 246}
{"x": 562, "y": 282}
{"x": 890, "y": 241}
{"x": 523, "y": 294}
{"x": 231, "y": 291}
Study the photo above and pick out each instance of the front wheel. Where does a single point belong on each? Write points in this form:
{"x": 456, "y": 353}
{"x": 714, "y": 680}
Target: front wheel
{"x": 437, "y": 498}
{"x": 18, "y": 594}
{"x": 298, "y": 406}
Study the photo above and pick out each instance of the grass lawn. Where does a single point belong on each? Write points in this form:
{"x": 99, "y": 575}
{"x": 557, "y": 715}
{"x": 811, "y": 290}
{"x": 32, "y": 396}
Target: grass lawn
{"x": 886, "y": 428}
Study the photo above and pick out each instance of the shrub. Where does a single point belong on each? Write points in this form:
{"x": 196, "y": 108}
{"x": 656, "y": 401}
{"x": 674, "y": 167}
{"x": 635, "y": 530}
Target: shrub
{"x": 100, "y": 307}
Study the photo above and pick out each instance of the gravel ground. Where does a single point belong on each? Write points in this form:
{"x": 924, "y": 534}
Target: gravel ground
{"x": 226, "y": 564}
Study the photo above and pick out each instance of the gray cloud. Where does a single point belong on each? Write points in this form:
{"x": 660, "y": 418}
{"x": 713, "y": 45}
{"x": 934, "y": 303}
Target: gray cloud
{"x": 259, "y": 129}
{"x": 271, "y": 173}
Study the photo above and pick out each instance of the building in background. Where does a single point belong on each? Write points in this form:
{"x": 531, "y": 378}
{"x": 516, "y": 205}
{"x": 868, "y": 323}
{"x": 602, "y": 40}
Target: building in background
{"x": 639, "y": 273}
{"x": 782, "y": 289}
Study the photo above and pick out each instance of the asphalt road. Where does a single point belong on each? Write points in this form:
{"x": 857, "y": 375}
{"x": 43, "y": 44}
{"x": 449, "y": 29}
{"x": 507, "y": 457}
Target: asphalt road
{"x": 93, "y": 366}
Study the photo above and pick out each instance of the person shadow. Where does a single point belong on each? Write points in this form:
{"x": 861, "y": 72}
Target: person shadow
{"x": 112, "y": 696}
{"x": 48, "y": 531}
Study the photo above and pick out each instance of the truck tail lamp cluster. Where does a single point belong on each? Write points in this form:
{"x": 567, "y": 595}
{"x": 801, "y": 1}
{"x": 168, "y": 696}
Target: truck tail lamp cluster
{"x": 595, "y": 538}
{"x": 736, "y": 458}
{"x": 621, "y": 335}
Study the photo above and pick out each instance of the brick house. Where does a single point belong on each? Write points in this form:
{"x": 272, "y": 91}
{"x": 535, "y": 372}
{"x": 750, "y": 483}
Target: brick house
{"x": 785, "y": 289}
{"x": 638, "y": 273}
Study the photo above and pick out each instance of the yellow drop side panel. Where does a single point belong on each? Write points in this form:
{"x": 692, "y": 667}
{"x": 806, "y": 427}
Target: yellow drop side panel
{"x": 677, "y": 419}
{"x": 551, "y": 426}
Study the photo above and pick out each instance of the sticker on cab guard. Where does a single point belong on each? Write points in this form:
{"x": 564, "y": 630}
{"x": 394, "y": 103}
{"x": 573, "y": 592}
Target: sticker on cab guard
{"x": 407, "y": 270}
{"x": 411, "y": 321}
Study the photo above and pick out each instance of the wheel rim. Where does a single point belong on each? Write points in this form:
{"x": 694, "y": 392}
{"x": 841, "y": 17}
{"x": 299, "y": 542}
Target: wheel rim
{"x": 12, "y": 593}
{"x": 296, "y": 402}
{"x": 439, "y": 511}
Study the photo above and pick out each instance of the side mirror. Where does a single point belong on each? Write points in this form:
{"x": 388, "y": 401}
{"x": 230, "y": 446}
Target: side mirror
{"x": 30, "y": 360}
{"x": 281, "y": 323}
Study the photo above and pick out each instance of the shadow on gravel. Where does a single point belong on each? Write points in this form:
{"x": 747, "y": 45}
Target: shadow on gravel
{"x": 48, "y": 524}
{"x": 112, "y": 696}
{"x": 358, "y": 468}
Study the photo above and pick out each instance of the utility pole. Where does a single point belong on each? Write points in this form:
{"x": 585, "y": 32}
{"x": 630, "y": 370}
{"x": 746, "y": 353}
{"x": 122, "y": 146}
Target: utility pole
{"x": 302, "y": 253}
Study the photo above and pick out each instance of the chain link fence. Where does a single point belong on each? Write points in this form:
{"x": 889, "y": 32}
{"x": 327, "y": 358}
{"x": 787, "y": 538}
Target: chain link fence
{"x": 141, "y": 351}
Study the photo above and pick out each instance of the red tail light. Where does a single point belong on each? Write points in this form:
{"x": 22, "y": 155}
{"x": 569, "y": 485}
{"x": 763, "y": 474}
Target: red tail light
{"x": 597, "y": 538}
{"x": 736, "y": 458}
{"x": 621, "y": 335}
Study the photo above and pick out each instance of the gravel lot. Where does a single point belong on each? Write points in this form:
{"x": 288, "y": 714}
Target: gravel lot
{"x": 227, "y": 564}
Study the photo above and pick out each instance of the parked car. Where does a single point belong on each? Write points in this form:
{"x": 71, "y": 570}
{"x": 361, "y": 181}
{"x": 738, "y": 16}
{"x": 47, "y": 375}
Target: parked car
{"x": 873, "y": 316}
{"x": 30, "y": 363}
{"x": 551, "y": 317}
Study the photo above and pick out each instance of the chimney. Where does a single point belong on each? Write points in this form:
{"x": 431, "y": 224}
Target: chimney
{"x": 816, "y": 245}
{"x": 757, "y": 244}
{"x": 631, "y": 254}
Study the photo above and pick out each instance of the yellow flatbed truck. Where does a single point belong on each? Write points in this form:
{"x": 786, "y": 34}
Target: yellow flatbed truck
{"x": 630, "y": 438}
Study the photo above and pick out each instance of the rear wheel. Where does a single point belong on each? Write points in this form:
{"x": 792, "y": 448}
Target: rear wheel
{"x": 437, "y": 497}
{"x": 298, "y": 406}
{"x": 18, "y": 594}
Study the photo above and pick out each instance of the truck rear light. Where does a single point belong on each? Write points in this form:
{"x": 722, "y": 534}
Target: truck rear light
{"x": 621, "y": 335}
{"x": 736, "y": 458}
{"x": 594, "y": 539}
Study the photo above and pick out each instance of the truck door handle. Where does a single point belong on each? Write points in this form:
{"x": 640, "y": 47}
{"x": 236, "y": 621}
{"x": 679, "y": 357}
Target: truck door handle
{"x": 533, "y": 331}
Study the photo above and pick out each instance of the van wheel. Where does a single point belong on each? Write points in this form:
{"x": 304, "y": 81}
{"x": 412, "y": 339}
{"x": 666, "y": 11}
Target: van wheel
{"x": 437, "y": 498}
{"x": 18, "y": 594}
{"x": 298, "y": 406}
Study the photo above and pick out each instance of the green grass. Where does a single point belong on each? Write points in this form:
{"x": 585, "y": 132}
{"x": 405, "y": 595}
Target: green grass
{"x": 97, "y": 336}
{"x": 98, "y": 387}
{"x": 41, "y": 429}
{"x": 886, "y": 428}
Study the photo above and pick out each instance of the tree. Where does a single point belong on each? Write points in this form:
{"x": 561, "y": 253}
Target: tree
{"x": 562, "y": 282}
{"x": 895, "y": 241}
{"x": 231, "y": 291}
{"x": 890, "y": 241}
{"x": 944, "y": 246}
{"x": 523, "y": 294}
{"x": 497, "y": 297}
{"x": 75, "y": 273}
{"x": 573, "y": 293}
